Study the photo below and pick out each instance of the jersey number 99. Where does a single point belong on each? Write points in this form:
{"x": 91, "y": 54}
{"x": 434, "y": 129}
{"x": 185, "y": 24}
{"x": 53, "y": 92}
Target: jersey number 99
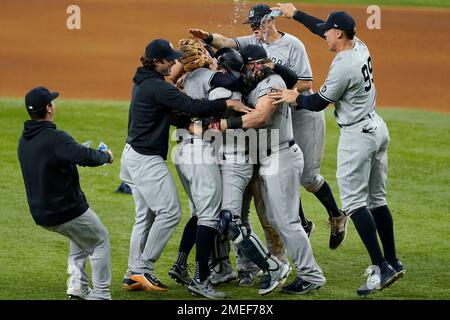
{"x": 367, "y": 74}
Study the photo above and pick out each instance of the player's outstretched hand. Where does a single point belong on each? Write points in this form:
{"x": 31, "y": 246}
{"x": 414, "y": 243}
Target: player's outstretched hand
{"x": 238, "y": 106}
{"x": 199, "y": 33}
{"x": 288, "y": 9}
{"x": 283, "y": 95}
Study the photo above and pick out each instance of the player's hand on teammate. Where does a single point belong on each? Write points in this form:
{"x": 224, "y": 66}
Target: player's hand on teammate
{"x": 288, "y": 9}
{"x": 238, "y": 106}
{"x": 111, "y": 155}
{"x": 199, "y": 33}
{"x": 283, "y": 95}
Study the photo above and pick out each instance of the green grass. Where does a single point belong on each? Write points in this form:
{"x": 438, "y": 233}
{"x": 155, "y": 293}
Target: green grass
{"x": 409, "y": 3}
{"x": 419, "y": 178}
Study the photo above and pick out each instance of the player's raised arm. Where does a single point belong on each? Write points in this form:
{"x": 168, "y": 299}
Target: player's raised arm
{"x": 291, "y": 12}
{"x": 213, "y": 39}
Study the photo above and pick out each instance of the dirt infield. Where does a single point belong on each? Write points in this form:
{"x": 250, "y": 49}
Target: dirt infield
{"x": 410, "y": 52}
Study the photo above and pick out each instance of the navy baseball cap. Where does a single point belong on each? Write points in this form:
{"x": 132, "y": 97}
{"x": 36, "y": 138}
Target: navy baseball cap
{"x": 38, "y": 98}
{"x": 162, "y": 49}
{"x": 256, "y": 13}
{"x": 254, "y": 53}
{"x": 338, "y": 20}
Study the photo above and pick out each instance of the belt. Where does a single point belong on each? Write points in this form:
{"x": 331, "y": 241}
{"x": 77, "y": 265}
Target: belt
{"x": 288, "y": 144}
{"x": 370, "y": 115}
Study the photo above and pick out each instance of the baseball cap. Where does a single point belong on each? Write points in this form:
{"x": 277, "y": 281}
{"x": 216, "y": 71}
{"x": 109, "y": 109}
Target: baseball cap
{"x": 38, "y": 98}
{"x": 338, "y": 20}
{"x": 254, "y": 53}
{"x": 256, "y": 13}
{"x": 161, "y": 49}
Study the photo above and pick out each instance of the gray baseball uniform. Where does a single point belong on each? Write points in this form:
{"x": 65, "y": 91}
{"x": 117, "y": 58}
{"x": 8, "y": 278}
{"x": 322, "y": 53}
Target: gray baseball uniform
{"x": 195, "y": 160}
{"x": 280, "y": 172}
{"x": 364, "y": 137}
{"x": 308, "y": 127}
{"x": 158, "y": 208}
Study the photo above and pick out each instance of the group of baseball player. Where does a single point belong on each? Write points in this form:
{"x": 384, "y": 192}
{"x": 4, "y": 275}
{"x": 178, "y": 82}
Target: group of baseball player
{"x": 250, "y": 127}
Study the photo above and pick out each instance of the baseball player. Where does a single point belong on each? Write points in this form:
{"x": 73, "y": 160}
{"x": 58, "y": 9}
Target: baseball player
{"x": 199, "y": 173}
{"x": 143, "y": 165}
{"x": 48, "y": 159}
{"x": 236, "y": 171}
{"x": 364, "y": 139}
{"x": 280, "y": 169}
{"x": 309, "y": 127}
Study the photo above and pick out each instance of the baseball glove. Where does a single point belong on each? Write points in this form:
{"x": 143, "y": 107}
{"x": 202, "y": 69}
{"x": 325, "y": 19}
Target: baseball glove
{"x": 194, "y": 55}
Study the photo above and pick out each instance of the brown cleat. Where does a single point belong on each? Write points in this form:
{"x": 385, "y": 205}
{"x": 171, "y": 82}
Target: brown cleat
{"x": 338, "y": 230}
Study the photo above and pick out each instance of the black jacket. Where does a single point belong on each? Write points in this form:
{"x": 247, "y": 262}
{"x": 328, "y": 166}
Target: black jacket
{"x": 152, "y": 102}
{"x": 48, "y": 158}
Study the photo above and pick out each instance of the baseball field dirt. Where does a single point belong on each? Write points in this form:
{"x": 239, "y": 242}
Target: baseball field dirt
{"x": 410, "y": 51}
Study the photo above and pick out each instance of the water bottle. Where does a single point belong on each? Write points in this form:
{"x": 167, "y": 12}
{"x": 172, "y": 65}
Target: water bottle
{"x": 276, "y": 13}
{"x": 102, "y": 146}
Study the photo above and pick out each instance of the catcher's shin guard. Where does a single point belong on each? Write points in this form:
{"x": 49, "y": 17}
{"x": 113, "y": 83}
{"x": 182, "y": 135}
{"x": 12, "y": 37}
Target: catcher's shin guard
{"x": 230, "y": 227}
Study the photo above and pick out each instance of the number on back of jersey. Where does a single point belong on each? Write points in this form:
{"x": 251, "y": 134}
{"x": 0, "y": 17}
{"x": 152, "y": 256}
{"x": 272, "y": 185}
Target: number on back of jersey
{"x": 367, "y": 74}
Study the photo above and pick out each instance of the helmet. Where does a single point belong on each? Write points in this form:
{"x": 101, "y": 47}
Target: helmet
{"x": 231, "y": 60}
{"x": 254, "y": 53}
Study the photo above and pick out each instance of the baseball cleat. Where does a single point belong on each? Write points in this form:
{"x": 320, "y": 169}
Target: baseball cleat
{"x": 149, "y": 282}
{"x": 180, "y": 274}
{"x": 78, "y": 294}
{"x": 398, "y": 267}
{"x": 130, "y": 284}
{"x": 205, "y": 289}
{"x": 338, "y": 230}
{"x": 222, "y": 277}
{"x": 273, "y": 279}
{"x": 300, "y": 286}
{"x": 245, "y": 278}
{"x": 377, "y": 280}
{"x": 309, "y": 228}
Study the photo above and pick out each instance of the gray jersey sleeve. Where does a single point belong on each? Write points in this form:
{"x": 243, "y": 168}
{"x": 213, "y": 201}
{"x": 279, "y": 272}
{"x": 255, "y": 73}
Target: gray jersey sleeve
{"x": 266, "y": 85}
{"x": 245, "y": 41}
{"x": 336, "y": 82}
{"x": 300, "y": 61}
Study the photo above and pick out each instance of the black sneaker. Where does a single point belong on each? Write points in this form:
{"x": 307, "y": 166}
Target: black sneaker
{"x": 398, "y": 267}
{"x": 377, "y": 280}
{"x": 180, "y": 274}
{"x": 338, "y": 230}
{"x": 300, "y": 286}
{"x": 309, "y": 228}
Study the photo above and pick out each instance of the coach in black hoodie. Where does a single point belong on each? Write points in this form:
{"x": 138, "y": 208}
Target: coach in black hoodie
{"x": 143, "y": 165}
{"x": 48, "y": 159}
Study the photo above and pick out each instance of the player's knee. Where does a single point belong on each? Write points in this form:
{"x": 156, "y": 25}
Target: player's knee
{"x": 312, "y": 183}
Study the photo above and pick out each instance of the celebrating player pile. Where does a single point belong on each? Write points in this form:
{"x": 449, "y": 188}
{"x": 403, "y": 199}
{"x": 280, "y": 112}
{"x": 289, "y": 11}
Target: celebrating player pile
{"x": 248, "y": 127}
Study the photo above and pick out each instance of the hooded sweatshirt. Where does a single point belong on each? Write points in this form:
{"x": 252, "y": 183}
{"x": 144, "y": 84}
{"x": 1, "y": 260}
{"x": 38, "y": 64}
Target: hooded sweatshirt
{"x": 152, "y": 102}
{"x": 48, "y": 159}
